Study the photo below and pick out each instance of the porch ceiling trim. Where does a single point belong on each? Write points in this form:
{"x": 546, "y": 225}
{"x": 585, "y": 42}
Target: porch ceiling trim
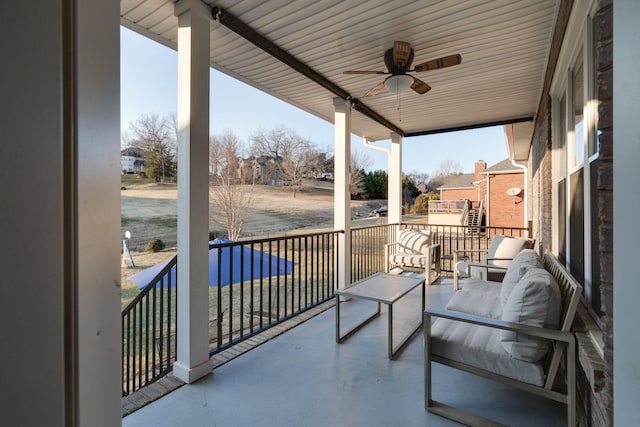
{"x": 469, "y": 127}
{"x": 246, "y": 32}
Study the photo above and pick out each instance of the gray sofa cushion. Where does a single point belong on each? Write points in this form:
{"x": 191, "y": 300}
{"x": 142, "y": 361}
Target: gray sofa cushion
{"x": 534, "y": 301}
{"x": 477, "y": 297}
{"x": 480, "y": 346}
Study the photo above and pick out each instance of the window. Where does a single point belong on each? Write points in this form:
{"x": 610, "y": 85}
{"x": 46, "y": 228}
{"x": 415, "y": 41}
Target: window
{"x": 577, "y": 89}
{"x": 575, "y": 161}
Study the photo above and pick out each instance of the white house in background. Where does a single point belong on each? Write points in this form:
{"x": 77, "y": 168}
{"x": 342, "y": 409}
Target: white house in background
{"x": 131, "y": 161}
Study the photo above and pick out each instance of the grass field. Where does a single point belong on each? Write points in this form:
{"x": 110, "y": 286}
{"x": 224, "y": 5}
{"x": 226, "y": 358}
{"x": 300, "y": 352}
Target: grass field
{"x": 149, "y": 211}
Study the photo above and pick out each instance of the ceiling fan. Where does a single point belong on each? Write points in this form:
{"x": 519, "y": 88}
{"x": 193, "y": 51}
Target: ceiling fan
{"x": 398, "y": 61}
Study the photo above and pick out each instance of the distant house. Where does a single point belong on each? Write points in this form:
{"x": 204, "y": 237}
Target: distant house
{"x": 495, "y": 195}
{"x": 250, "y": 170}
{"x": 132, "y": 161}
{"x": 505, "y": 195}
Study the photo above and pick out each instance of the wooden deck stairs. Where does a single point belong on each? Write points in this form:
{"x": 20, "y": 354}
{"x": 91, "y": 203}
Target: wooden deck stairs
{"x": 474, "y": 218}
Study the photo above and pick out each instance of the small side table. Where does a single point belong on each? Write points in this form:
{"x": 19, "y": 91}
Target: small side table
{"x": 382, "y": 288}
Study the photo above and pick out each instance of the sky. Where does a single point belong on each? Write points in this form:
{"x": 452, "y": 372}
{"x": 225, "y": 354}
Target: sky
{"x": 148, "y": 85}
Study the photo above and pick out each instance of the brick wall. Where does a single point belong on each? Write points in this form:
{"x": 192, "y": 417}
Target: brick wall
{"x": 540, "y": 194}
{"x": 502, "y": 209}
{"x": 604, "y": 63}
{"x": 595, "y": 374}
{"x": 459, "y": 194}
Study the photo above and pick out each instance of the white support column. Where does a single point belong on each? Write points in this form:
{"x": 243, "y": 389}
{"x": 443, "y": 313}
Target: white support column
{"x": 193, "y": 191}
{"x": 626, "y": 176}
{"x": 394, "y": 203}
{"x": 341, "y": 194}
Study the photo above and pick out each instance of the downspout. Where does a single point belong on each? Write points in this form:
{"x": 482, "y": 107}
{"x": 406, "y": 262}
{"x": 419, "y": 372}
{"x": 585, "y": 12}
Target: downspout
{"x": 487, "y": 196}
{"x": 526, "y": 192}
{"x": 367, "y": 144}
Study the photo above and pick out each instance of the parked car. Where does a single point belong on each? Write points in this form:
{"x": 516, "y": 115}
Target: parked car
{"x": 381, "y": 211}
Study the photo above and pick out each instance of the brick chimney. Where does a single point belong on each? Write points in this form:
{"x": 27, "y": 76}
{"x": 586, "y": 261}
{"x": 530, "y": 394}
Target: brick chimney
{"x": 481, "y": 166}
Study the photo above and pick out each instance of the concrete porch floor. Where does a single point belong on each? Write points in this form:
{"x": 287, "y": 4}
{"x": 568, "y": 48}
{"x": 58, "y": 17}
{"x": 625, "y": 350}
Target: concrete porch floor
{"x": 303, "y": 378}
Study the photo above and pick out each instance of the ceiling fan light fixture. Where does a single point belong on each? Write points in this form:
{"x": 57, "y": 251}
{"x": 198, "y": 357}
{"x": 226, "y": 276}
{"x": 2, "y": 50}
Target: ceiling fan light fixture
{"x": 399, "y": 83}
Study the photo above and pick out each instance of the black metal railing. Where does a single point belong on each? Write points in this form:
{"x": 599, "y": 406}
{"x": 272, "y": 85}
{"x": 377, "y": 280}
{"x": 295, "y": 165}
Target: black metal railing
{"x": 270, "y": 280}
{"x": 367, "y": 249}
{"x": 260, "y": 283}
{"x": 149, "y": 331}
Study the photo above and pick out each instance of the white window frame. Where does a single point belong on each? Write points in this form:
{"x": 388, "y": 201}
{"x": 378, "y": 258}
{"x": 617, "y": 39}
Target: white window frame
{"x": 579, "y": 40}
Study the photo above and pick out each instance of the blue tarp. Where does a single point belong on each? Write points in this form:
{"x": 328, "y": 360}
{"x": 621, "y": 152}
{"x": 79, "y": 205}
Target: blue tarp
{"x": 264, "y": 265}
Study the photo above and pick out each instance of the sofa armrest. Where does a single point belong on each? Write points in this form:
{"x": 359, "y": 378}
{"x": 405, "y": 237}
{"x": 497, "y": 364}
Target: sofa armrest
{"x": 534, "y": 331}
{"x": 497, "y": 259}
{"x": 486, "y": 266}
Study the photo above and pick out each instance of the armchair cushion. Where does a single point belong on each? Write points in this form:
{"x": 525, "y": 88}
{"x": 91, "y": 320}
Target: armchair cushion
{"x": 409, "y": 259}
{"x": 534, "y": 301}
{"x": 505, "y": 247}
{"x": 413, "y": 241}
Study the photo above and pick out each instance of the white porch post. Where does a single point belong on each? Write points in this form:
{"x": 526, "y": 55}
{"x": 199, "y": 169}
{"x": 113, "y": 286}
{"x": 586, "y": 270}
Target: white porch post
{"x": 341, "y": 194}
{"x": 395, "y": 180}
{"x": 193, "y": 191}
{"x": 626, "y": 176}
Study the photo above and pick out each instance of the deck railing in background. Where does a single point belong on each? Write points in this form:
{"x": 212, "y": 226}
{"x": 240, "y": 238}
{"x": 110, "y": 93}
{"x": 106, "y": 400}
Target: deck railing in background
{"x": 367, "y": 249}
{"x": 149, "y": 331}
{"x": 458, "y": 237}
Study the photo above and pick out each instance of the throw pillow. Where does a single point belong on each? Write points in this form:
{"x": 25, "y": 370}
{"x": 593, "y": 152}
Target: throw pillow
{"x": 526, "y": 259}
{"x": 534, "y": 301}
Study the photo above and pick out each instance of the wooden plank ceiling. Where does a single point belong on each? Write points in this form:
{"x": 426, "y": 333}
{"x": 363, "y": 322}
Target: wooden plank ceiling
{"x": 504, "y": 46}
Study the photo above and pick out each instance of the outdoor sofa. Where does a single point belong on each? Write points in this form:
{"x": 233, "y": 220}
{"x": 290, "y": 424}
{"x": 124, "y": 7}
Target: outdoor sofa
{"x": 515, "y": 332}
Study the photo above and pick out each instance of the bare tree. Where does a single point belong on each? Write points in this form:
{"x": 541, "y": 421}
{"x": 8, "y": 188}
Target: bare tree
{"x": 360, "y": 162}
{"x": 224, "y": 153}
{"x": 419, "y": 177}
{"x": 230, "y": 199}
{"x": 272, "y": 143}
{"x": 156, "y": 137}
{"x": 230, "y": 205}
{"x": 448, "y": 167}
{"x": 294, "y": 157}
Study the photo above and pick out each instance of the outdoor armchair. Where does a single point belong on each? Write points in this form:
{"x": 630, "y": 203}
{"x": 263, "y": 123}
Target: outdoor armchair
{"x": 415, "y": 249}
{"x": 494, "y": 264}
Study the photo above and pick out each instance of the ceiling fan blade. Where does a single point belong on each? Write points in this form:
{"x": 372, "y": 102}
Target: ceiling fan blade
{"x": 434, "y": 64}
{"x": 375, "y": 90}
{"x": 401, "y": 53}
{"x": 419, "y": 86}
{"x": 364, "y": 72}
